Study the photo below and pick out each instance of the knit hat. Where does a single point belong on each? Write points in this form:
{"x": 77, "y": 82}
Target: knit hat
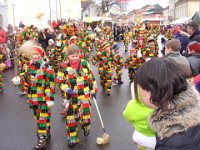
{"x": 39, "y": 50}
{"x": 115, "y": 47}
{"x": 197, "y": 82}
{"x": 52, "y": 41}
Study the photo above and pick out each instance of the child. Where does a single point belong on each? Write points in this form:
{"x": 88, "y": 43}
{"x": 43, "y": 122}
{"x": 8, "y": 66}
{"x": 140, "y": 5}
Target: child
{"x": 118, "y": 64}
{"x": 138, "y": 114}
{"x": 132, "y": 63}
{"x": 40, "y": 80}
{"x": 104, "y": 59}
{"x": 78, "y": 86}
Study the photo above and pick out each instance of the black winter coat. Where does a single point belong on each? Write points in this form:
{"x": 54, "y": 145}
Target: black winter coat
{"x": 194, "y": 61}
{"x": 178, "y": 127}
{"x": 189, "y": 140}
{"x": 195, "y": 36}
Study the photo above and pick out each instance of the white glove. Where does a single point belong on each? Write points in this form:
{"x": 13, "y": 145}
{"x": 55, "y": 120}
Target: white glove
{"x": 50, "y": 104}
{"x": 65, "y": 103}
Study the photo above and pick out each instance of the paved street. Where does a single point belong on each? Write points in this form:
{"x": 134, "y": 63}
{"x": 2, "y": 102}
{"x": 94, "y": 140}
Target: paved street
{"x": 17, "y": 126}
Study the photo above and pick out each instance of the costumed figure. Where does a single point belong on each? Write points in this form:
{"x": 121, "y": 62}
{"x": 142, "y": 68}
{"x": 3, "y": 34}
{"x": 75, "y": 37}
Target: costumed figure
{"x": 126, "y": 40}
{"x": 40, "y": 80}
{"x": 118, "y": 64}
{"x": 2, "y": 67}
{"x": 104, "y": 60}
{"x": 78, "y": 86}
{"x": 132, "y": 63}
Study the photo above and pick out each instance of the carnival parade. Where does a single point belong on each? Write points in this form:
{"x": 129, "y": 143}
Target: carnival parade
{"x": 100, "y": 85}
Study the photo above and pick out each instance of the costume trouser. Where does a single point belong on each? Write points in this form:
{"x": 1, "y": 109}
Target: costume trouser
{"x": 131, "y": 74}
{"x": 126, "y": 45}
{"x": 102, "y": 81}
{"x": 77, "y": 112}
{"x": 108, "y": 79}
{"x": 42, "y": 115}
{"x": 118, "y": 74}
{"x": 23, "y": 86}
{"x": 1, "y": 80}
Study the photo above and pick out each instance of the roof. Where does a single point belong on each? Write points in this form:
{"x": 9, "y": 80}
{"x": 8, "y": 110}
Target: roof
{"x": 155, "y": 9}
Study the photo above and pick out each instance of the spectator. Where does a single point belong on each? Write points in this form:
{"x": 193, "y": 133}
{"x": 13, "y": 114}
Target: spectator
{"x": 183, "y": 39}
{"x": 194, "y": 57}
{"x": 21, "y": 24}
{"x": 193, "y": 31}
{"x": 175, "y": 102}
{"x": 172, "y": 51}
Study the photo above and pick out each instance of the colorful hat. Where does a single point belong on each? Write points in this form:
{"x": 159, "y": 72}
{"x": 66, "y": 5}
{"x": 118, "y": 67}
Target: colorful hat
{"x": 39, "y": 50}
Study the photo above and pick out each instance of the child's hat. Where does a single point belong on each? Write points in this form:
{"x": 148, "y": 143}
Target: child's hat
{"x": 39, "y": 50}
{"x": 197, "y": 82}
{"x": 115, "y": 47}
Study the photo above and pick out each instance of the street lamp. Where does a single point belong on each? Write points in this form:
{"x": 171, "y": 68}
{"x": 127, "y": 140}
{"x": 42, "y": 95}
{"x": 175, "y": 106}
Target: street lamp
{"x": 13, "y": 10}
{"x": 50, "y": 9}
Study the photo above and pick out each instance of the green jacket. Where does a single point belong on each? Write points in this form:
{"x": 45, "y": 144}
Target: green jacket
{"x": 138, "y": 114}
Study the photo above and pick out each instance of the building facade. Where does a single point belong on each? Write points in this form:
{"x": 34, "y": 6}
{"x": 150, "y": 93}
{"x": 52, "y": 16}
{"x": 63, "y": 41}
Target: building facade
{"x": 154, "y": 14}
{"x": 3, "y": 13}
{"x": 182, "y": 8}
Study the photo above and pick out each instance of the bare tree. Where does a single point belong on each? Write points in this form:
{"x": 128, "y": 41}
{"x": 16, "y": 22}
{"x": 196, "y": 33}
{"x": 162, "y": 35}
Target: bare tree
{"x": 106, "y": 5}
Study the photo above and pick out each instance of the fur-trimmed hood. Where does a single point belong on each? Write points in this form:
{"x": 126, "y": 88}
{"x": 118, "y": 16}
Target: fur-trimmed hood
{"x": 179, "y": 117}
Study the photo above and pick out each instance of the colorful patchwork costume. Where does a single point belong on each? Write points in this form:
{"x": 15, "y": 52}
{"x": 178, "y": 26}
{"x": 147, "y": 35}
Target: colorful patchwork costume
{"x": 83, "y": 83}
{"x": 105, "y": 59}
{"x": 40, "y": 80}
{"x": 1, "y": 71}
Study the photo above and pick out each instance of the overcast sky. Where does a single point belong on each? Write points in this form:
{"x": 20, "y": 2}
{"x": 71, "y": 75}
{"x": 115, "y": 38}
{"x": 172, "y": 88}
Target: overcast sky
{"x": 136, "y": 4}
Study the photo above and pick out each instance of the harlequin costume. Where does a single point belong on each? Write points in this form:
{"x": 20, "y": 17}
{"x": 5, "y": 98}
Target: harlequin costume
{"x": 81, "y": 80}
{"x": 118, "y": 64}
{"x": 126, "y": 41}
{"x": 23, "y": 60}
{"x": 132, "y": 63}
{"x": 2, "y": 66}
{"x": 40, "y": 80}
{"x": 104, "y": 59}
{"x": 151, "y": 49}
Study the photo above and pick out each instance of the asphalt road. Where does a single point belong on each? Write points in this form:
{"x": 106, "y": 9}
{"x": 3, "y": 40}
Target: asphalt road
{"x": 18, "y": 129}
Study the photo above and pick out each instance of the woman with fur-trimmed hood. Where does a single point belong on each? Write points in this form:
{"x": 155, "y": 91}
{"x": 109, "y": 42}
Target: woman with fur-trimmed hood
{"x": 176, "y": 104}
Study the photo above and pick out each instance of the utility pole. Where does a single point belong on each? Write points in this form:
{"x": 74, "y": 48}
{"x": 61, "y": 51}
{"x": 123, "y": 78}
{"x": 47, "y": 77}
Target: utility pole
{"x": 13, "y": 8}
{"x": 60, "y": 9}
{"x": 50, "y": 9}
{"x": 56, "y": 10}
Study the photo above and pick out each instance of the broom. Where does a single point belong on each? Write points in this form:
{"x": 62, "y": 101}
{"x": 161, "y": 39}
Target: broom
{"x": 105, "y": 138}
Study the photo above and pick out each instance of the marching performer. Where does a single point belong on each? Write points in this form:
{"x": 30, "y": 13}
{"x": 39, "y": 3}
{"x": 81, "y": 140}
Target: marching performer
{"x": 118, "y": 64}
{"x": 2, "y": 67}
{"x": 40, "y": 80}
{"x": 78, "y": 86}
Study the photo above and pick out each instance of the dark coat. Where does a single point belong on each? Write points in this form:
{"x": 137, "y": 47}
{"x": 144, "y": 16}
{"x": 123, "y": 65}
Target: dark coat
{"x": 194, "y": 61}
{"x": 184, "y": 42}
{"x": 195, "y": 36}
{"x": 178, "y": 127}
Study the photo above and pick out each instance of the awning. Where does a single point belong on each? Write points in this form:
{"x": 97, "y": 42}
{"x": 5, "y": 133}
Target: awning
{"x": 181, "y": 20}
